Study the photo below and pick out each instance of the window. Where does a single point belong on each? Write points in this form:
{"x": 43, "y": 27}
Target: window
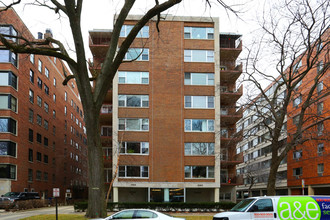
{"x": 46, "y": 124}
{"x": 320, "y": 66}
{"x": 54, "y": 130}
{"x": 105, "y": 109}
{"x": 319, "y": 108}
{"x": 298, "y": 85}
{"x": 198, "y": 33}
{"x": 134, "y": 148}
{"x": 8, "y": 79}
{"x": 38, "y": 156}
{"x": 7, "y": 171}
{"x": 133, "y": 101}
{"x": 7, "y": 148}
{"x": 297, "y": 101}
{"x": 262, "y": 205}
{"x": 8, "y": 125}
{"x": 320, "y": 128}
{"x": 40, "y": 66}
{"x": 31, "y": 96}
{"x": 320, "y": 168}
{"x": 39, "y": 81}
{"x": 46, "y": 107}
{"x": 199, "y": 148}
{"x": 46, "y": 89}
{"x": 39, "y": 101}
{"x": 319, "y": 87}
{"x": 32, "y": 76}
{"x": 31, "y": 115}
{"x": 134, "y": 171}
{"x": 320, "y": 149}
{"x": 143, "y": 33}
{"x": 199, "y": 102}
{"x": 138, "y": 54}
{"x": 127, "y": 214}
{"x": 201, "y": 125}
{"x": 45, "y": 176}
{"x": 54, "y": 97}
{"x": 30, "y": 175}
{"x": 297, "y": 171}
{"x": 9, "y": 30}
{"x": 199, "y": 79}
{"x": 65, "y": 96}
{"x": 199, "y": 172}
{"x": 54, "y": 114}
{"x": 39, "y": 138}
{"x": 297, "y": 154}
{"x": 8, "y": 102}
{"x": 54, "y": 82}
{"x": 130, "y": 124}
{"x": 30, "y": 155}
{"x": 45, "y": 158}
{"x": 32, "y": 58}
{"x": 46, "y": 72}
{"x": 105, "y": 131}
{"x": 198, "y": 56}
{"x": 30, "y": 135}
{"x": 295, "y": 120}
{"x": 6, "y": 56}
{"x": 39, "y": 120}
{"x": 38, "y": 175}
{"x": 133, "y": 77}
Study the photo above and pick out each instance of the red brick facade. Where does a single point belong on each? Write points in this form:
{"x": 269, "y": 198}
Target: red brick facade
{"x": 315, "y": 151}
{"x": 62, "y": 150}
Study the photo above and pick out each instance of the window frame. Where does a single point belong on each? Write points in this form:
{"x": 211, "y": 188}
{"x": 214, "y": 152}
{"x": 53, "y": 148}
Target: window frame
{"x": 208, "y": 121}
{"x": 191, "y": 55}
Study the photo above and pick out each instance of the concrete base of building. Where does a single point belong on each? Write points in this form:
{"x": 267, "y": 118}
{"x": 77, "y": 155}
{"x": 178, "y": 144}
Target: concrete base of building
{"x": 311, "y": 190}
{"x": 132, "y": 194}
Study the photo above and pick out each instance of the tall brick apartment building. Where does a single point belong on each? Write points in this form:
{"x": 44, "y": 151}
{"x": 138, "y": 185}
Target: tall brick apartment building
{"x": 42, "y": 140}
{"x": 310, "y": 162}
{"x": 170, "y": 118}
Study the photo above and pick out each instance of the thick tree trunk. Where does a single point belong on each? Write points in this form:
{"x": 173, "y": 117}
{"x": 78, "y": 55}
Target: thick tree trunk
{"x": 272, "y": 178}
{"x": 96, "y": 194}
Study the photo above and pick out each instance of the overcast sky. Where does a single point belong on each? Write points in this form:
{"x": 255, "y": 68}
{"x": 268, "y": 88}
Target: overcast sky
{"x": 98, "y": 14}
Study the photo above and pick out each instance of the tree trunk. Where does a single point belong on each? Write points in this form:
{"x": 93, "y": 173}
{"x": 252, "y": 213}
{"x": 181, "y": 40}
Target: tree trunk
{"x": 96, "y": 194}
{"x": 272, "y": 178}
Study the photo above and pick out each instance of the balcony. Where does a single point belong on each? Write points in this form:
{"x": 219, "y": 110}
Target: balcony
{"x": 99, "y": 42}
{"x": 231, "y": 160}
{"x": 229, "y": 115}
{"x": 231, "y": 179}
{"x": 229, "y": 74}
{"x": 230, "y": 97}
{"x": 229, "y": 137}
{"x": 230, "y": 46}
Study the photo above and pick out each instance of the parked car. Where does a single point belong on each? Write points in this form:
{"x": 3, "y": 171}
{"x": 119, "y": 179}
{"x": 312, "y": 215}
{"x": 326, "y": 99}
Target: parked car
{"x": 10, "y": 198}
{"x": 140, "y": 214}
{"x": 279, "y": 207}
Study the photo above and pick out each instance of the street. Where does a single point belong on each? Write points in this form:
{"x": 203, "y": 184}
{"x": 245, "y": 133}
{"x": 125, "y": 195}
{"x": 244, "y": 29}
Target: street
{"x": 42, "y": 211}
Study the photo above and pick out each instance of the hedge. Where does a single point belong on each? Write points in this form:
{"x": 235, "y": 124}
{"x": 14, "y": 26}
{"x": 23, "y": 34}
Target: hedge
{"x": 164, "y": 207}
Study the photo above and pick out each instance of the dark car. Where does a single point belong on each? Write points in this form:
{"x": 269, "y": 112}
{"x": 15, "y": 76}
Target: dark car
{"x": 10, "y": 198}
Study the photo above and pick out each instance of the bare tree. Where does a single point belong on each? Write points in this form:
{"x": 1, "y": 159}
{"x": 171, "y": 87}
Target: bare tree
{"x": 91, "y": 97}
{"x": 294, "y": 40}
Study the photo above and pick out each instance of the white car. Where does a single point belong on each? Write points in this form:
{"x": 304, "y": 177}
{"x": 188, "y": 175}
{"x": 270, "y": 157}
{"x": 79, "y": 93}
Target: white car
{"x": 139, "y": 214}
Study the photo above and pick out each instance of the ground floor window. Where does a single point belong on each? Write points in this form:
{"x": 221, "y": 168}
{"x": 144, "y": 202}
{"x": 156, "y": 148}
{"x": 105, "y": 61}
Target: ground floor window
{"x": 7, "y": 171}
{"x": 166, "y": 195}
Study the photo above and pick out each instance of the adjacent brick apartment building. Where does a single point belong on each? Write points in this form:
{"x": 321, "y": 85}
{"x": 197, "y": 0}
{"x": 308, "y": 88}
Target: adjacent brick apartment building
{"x": 42, "y": 140}
{"x": 310, "y": 162}
{"x": 172, "y": 111}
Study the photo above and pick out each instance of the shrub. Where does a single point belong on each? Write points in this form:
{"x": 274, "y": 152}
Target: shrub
{"x": 164, "y": 207}
{"x": 29, "y": 204}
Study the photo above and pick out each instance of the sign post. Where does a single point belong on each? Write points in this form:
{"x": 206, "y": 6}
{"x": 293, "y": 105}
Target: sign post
{"x": 303, "y": 186}
{"x": 56, "y": 193}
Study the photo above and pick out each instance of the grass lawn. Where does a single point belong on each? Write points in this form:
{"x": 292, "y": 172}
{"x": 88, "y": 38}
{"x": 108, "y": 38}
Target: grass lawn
{"x": 53, "y": 217}
{"x": 81, "y": 217}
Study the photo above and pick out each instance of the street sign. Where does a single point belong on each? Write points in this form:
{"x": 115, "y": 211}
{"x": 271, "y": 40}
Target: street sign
{"x": 56, "y": 192}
